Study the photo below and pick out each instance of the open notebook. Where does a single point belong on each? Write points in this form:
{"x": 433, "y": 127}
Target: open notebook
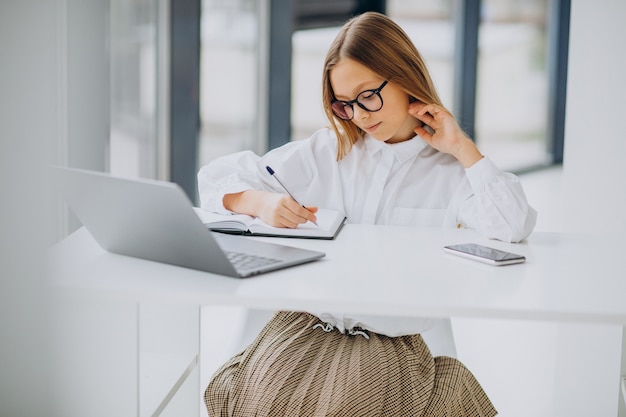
{"x": 329, "y": 223}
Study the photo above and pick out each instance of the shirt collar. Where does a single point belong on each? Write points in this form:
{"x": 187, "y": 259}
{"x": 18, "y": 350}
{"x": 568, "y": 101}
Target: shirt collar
{"x": 403, "y": 150}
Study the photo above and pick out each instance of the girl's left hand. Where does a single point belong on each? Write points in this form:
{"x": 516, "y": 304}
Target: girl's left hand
{"x": 448, "y": 136}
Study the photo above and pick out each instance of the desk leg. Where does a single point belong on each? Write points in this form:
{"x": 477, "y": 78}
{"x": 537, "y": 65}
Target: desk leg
{"x": 587, "y": 370}
{"x": 168, "y": 354}
{"x": 121, "y": 357}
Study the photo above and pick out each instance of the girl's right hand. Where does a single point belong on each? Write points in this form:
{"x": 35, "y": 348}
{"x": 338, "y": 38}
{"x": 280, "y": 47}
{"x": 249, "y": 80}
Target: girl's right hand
{"x": 448, "y": 136}
{"x": 278, "y": 210}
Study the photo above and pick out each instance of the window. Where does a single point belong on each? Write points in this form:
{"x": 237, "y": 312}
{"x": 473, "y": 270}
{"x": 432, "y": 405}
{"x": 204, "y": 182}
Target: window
{"x": 512, "y": 86}
{"x": 229, "y": 78}
{"x": 515, "y": 99}
{"x": 135, "y": 70}
{"x": 430, "y": 26}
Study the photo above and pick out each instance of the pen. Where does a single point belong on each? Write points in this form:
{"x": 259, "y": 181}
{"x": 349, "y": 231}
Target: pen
{"x": 273, "y": 174}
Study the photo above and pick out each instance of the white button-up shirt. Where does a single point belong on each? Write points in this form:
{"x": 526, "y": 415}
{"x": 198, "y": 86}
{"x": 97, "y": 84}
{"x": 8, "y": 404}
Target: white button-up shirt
{"x": 406, "y": 183}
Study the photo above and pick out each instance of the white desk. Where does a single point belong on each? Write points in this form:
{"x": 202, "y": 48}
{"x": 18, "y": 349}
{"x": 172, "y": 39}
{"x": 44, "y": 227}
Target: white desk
{"x": 382, "y": 270}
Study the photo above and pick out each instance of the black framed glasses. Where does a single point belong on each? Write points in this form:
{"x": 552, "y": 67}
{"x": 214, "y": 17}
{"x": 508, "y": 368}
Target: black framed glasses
{"x": 368, "y": 100}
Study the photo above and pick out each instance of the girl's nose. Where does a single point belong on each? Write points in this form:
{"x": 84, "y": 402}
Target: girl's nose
{"x": 359, "y": 113}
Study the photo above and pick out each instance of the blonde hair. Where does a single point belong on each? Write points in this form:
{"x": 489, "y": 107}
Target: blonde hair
{"x": 377, "y": 42}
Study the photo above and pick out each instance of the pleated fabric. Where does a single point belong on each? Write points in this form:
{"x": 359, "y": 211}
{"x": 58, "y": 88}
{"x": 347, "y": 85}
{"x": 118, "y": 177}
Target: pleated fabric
{"x": 295, "y": 368}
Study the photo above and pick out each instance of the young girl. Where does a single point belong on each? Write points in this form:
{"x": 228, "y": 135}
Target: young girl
{"x": 393, "y": 156}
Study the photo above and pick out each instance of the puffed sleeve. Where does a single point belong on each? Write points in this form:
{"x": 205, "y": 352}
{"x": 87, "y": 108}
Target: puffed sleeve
{"x": 496, "y": 206}
{"x": 298, "y": 160}
{"x": 227, "y": 175}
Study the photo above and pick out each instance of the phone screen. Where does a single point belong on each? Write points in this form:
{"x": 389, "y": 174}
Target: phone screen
{"x": 484, "y": 253}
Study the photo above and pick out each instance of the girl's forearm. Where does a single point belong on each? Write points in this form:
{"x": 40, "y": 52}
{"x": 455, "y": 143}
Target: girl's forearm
{"x": 245, "y": 202}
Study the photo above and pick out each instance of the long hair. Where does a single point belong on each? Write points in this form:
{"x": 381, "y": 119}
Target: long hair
{"x": 377, "y": 42}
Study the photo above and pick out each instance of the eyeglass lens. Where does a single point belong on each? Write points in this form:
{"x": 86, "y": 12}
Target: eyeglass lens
{"x": 369, "y": 100}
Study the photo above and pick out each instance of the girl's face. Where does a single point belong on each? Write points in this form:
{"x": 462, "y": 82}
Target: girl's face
{"x": 392, "y": 123}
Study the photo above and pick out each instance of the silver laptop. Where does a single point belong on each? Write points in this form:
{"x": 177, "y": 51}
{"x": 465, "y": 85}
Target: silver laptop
{"x": 155, "y": 220}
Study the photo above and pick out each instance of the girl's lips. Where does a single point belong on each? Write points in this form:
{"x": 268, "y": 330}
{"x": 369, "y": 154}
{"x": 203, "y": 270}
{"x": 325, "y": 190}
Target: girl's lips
{"x": 372, "y": 127}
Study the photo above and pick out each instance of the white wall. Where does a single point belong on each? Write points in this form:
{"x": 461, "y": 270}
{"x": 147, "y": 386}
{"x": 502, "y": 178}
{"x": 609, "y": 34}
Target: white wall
{"x": 53, "y": 86}
{"x": 594, "y": 167}
{"x": 27, "y": 101}
{"x": 594, "y": 190}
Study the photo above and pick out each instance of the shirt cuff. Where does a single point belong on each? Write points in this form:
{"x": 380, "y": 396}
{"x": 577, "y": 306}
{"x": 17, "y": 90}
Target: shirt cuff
{"x": 481, "y": 173}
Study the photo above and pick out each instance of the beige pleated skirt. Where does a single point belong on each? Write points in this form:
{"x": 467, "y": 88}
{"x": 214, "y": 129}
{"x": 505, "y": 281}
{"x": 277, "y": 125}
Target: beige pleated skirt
{"x": 296, "y": 368}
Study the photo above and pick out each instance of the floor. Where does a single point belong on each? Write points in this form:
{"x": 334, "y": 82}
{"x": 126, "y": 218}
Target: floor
{"x": 513, "y": 360}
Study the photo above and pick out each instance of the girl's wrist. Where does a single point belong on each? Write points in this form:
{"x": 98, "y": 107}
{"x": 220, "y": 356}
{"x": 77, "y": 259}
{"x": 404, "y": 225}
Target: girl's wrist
{"x": 467, "y": 153}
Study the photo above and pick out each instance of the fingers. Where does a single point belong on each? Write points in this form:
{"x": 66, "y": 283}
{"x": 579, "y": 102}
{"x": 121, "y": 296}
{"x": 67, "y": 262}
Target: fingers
{"x": 421, "y": 112}
{"x": 419, "y": 109}
{"x": 430, "y": 114}
{"x": 436, "y": 118}
{"x": 291, "y": 214}
{"x": 304, "y": 214}
{"x": 280, "y": 210}
{"x": 424, "y": 134}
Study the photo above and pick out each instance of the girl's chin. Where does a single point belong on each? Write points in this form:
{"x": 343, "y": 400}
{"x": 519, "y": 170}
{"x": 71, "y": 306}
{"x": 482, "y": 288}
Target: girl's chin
{"x": 381, "y": 136}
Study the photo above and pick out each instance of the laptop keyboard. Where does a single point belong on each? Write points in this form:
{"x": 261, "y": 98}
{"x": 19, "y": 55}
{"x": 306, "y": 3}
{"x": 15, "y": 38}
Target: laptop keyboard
{"x": 246, "y": 261}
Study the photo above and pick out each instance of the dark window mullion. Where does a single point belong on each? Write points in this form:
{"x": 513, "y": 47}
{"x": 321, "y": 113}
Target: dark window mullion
{"x": 466, "y": 64}
{"x": 184, "y": 93}
{"x": 558, "y": 32}
{"x": 279, "y": 79}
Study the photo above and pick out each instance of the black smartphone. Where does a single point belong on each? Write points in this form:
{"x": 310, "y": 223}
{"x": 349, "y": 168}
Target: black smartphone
{"x": 484, "y": 254}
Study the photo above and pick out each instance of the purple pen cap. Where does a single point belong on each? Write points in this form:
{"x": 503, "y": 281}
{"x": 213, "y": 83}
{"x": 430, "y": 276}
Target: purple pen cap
{"x": 270, "y": 170}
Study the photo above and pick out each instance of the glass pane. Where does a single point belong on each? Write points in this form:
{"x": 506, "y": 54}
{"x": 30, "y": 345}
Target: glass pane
{"x": 430, "y": 25}
{"x": 134, "y": 88}
{"x": 308, "y": 53}
{"x": 228, "y": 77}
{"x": 512, "y": 83}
